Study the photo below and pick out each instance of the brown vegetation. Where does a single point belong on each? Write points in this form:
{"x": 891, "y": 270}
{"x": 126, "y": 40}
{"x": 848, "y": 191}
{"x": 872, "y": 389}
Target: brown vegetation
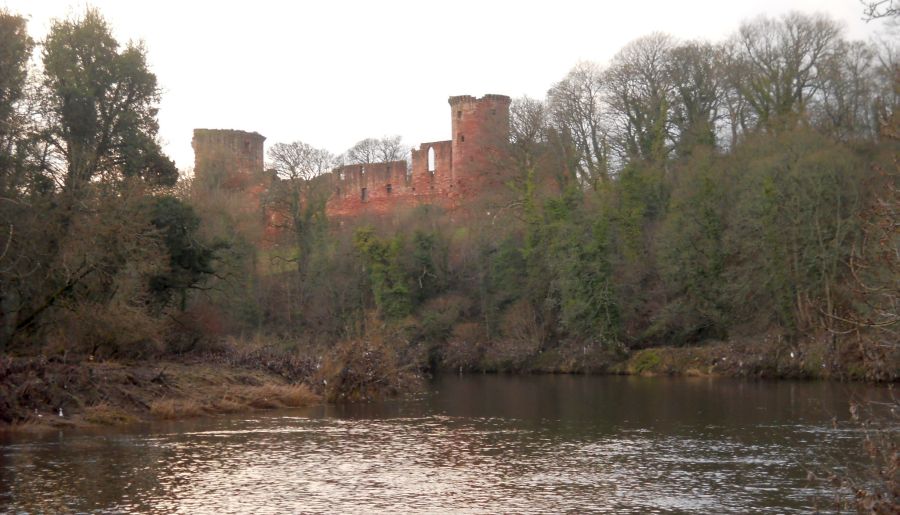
{"x": 368, "y": 369}
{"x": 34, "y": 390}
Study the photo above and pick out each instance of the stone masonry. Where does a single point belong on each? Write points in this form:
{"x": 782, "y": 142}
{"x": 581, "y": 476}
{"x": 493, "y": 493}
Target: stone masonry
{"x": 445, "y": 173}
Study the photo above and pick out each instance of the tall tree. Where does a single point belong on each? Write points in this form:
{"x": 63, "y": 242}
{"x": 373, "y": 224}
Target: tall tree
{"x": 777, "y": 65}
{"x": 579, "y": 115}
{"x": 102, "y": 100}
{"x": 641, "y": 95}
{"x": 696, "y": 72}
{"x": 302, "y": 192}
{"x": 15, "y": 50}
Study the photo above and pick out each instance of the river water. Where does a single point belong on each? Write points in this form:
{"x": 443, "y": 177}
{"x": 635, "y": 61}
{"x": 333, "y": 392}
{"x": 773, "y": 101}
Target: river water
{"x": 470, "y": 444}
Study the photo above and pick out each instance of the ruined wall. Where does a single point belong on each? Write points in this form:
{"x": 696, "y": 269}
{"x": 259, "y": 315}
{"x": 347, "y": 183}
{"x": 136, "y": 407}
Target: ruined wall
{"x": 460, "y": 169}
{"x": 464, "y": 168}
{"x": 369, "y": 188}
{"x": 432, "y": 183}
{"x": 228, "y": 158}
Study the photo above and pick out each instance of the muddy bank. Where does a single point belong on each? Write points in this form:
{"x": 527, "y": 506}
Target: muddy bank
{"x": 38, "y": 392}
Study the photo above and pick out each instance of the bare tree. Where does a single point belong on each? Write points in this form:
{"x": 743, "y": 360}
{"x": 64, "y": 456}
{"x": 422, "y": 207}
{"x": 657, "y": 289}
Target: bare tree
{"x": 848, "y": 81}
{"x": 697, "y": 75}
{"x": 528, "y": 131}
{"x": 641, "y": 95}
{"x": 300, "y": 197}
{"x": 875, "y": 9}
{"x": 299, "y": 161}
{"x": 777, "y": 63}
{"x": 581, "y": 119}
{"x": 377, "y": 150}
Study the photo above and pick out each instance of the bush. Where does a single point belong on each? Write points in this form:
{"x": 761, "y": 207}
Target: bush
{"x": 367, "y": 369}
{"x": 439, "y": 316}
{"x": 114, "y": 330}
{"x": 464, "y": 347}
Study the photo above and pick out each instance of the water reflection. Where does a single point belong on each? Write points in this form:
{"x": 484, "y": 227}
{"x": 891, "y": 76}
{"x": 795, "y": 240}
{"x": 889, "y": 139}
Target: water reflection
{"x": 475, "y": 444}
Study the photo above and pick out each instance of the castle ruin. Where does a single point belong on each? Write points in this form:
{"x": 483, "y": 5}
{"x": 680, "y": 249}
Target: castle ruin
{"x": 444, "y": 173}
{"x": 441, "y": 172}
{"x": 227, "y": 158}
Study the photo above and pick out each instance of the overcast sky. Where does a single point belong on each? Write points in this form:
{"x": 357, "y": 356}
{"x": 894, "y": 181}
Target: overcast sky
{"x": 335, "y": 72}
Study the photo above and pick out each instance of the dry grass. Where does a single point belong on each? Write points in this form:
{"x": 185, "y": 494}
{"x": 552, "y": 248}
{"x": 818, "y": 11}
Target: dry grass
{"x": 171, "y": 409}
{"x": 225, "y": 405}
{"x": 105, "y": 414}
{"x": 268, "y": 396}
{"x": 272, "y": 396}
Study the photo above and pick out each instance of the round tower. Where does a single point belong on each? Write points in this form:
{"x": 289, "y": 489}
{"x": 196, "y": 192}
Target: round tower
{"x": 480, "y": 135}
{"x": 228, "y": 158}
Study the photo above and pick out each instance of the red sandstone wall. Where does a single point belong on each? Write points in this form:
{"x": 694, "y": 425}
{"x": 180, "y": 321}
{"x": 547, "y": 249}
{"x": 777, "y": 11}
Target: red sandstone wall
{"x": 466, "y": 167}
{"x": 229, "y": 158}
{"x": 480, "y": 135}
{"x": 386, "y": 186}
{"x": 437, "y": 183}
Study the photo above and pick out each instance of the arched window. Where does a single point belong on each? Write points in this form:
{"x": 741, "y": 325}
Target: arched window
{"x": 431, "y": 159}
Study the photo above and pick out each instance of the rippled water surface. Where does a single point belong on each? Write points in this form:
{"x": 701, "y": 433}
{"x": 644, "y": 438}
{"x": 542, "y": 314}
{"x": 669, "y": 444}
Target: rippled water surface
{"x": 471, "y": 444}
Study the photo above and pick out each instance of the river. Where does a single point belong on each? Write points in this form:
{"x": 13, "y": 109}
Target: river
{"x": 469, "y": 444}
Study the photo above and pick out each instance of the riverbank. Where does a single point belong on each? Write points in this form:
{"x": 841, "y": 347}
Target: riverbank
{"x": 763, "y": 357}
{"x": 38, "y": 393}
{"x": 35, "y": 390}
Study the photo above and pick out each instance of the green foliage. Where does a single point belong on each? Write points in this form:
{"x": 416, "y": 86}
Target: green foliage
{"x": 387, "y": 279}
{"x": 105, "y": 100}
{"x": 581, "y": 270}
{"x": 794, "y": 225}
{"x": 15, "y": 50}
{"x": 691, "y": 253}
{"x": 189, "y": 259}
{"x": 645, "y": 361}
{"x": 429, "y": 256}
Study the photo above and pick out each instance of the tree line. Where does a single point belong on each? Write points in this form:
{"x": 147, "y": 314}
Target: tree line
{"x": 95, "y": 245}
{"x": 683, "y": 192}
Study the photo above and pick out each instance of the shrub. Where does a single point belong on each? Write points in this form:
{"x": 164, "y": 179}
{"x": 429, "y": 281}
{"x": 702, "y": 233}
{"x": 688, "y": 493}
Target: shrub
{"x": 366, "y": 369}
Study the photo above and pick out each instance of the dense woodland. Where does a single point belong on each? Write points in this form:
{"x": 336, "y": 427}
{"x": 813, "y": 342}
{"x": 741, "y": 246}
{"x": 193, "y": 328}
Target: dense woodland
{"x": 686, "y": 192}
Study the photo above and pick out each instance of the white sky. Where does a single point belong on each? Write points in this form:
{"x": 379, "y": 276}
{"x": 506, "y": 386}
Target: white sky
{"x": 333, "y": 72}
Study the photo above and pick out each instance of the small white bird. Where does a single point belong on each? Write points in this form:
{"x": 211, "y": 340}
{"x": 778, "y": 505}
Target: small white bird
{"x": 60, "y": 412}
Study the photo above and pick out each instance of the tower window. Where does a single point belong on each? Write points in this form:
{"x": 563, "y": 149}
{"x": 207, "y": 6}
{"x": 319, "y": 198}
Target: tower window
{"x": 461, "y": 137}
{"x": 389, "y": 189}
{"x": 363, "y": 196}
{"x": 431, "y": 159}
{"x": 459, "y": 115}
{"x": 246, "y": 146}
